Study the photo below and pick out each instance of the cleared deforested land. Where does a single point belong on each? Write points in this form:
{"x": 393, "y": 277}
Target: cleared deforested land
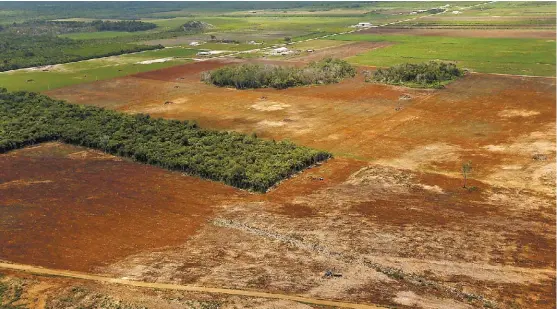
{"x": 236, "y": 159}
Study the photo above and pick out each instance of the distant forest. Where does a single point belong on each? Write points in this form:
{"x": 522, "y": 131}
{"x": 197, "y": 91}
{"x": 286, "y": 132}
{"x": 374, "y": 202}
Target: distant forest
{"x": 142, "y": 9}
{"x": 18, "y": 51}
{"x": 243, "y": 161}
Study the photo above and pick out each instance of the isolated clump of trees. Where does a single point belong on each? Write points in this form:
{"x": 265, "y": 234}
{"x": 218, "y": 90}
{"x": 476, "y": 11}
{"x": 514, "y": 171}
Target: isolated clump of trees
{"x": 432, "y": 74}
{"x": 243, "y": 161}
{"x": 196, "y": 26}
{"x": 246, "y": 76}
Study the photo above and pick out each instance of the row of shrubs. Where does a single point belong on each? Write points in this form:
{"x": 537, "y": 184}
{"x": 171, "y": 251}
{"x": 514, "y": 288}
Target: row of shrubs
{"x": 432, "y": 74}
{"x": 243, "y": 161}
{"x": 246, "y": 76}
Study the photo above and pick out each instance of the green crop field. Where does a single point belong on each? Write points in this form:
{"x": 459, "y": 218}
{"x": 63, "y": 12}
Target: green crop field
{"x": 488, "y": 55}
{"x": 92, "y": 70}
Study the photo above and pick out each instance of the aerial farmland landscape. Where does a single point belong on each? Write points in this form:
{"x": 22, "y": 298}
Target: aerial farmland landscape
{"x": 270, "y": 154}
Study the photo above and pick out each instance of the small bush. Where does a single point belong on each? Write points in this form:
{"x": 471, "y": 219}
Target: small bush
{"x": 433, "y": 74}
{"x": 249, "y": 76}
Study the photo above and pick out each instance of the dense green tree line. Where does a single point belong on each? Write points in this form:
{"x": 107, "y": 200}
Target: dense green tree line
{"x": 247, "y": 76}
{"x": 143, "y": 9}
{"x": 122, "y": 25}
{"x": 243, "y": 161}
{"x": 432, "y": 74}
{"x": 57, "y": 27}
{"x": 19, "y": 51}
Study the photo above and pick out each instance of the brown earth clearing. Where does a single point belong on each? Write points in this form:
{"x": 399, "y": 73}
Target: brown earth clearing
{"x": 343, "y": 51}
{"x": 388, "y": 212}
{"x": 474, "y": 33}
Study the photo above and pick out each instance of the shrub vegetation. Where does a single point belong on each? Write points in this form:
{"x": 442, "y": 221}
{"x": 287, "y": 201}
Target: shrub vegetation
{"x": 247, "y": 76}
{"x": 243, "y": 161}
{"x": 122, "y": 25}
{"x": 432, "y": 74}
{"x": 56, "y": 27}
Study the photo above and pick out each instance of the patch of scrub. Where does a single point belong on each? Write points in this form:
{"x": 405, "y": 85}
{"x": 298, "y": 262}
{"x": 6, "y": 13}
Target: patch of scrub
{"x": 160, "y": 60}
{"x": 269, "y": 106}
{"x": 511, "y": 113}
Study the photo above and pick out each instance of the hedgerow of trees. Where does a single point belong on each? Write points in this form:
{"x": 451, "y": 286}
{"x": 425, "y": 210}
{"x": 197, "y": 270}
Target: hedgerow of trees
{"x": 432, "y": 74}
{"x": 123, "y": 25}
{"x": 18, "y": 51}
{"x": 248, "y": 76}
{"x": 57, "y": 27}
{"x": 243, "y": 161}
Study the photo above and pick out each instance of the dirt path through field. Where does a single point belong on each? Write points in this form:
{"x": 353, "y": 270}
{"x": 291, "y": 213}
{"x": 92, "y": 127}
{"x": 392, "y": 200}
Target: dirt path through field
{"x": 177, "y": 287}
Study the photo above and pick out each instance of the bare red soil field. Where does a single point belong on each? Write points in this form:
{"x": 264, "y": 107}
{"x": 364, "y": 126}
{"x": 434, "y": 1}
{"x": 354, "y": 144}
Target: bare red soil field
{"x": 388, "y": 212}
{"x": 73, "y": 208}
{"x": 489, "y": 119}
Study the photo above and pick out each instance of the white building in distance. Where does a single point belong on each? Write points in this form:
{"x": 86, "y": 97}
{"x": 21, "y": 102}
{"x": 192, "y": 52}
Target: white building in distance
{"x": 364, "y": 25}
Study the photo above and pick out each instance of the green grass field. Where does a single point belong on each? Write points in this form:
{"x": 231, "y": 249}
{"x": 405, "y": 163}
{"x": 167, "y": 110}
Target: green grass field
{"x": 488, "y": 55}
{"x": 92, "y": 70}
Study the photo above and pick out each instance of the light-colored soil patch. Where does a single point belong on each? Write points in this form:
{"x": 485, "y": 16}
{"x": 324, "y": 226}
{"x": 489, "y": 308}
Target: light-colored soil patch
{"x": 159, "y": 60}
{"x": 269, "y": 106}
{"x": 421, "y": 156}
{"x": 21, "y": 182}
{"x": 271, "y": 124}
{"x": 517, "y": 113}
{"x": 409, "y": 298}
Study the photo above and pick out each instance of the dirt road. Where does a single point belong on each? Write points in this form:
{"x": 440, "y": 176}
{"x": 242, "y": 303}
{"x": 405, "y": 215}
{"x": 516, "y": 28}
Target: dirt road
{"x": 177, "y": 287}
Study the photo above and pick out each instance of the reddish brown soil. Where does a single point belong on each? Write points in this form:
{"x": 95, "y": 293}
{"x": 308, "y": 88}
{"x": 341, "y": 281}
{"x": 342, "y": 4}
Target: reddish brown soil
{"x": 183, "y": 72}
{"x": 76, "y": 213}
{"x": 473, "y": 33}
{"x": 350, "y": 118}
{"x": 393, "y": 194}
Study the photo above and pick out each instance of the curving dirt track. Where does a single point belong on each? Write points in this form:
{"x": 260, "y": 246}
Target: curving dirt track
{"x": 163, "y": 286}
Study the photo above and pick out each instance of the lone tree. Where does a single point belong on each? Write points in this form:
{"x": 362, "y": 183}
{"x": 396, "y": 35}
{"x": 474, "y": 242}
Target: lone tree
{"x": 466, "y": 169}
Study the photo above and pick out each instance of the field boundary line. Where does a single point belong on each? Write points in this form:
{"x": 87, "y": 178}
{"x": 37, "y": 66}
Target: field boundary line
{"x": 177, "y": 287}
